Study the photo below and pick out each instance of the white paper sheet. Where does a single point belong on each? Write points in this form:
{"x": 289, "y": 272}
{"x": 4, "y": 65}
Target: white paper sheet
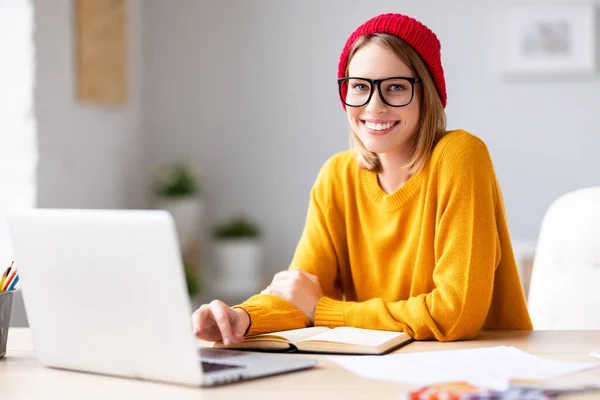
{"x": 491, "y": 367}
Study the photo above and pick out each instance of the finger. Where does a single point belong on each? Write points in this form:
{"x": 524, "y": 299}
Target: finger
{"x": 308, "y": 275}
{"x": 266, "y": 290}
{"x": 239, "y": 324}
{"x": 220, "y": 312}
{"x": 205, "y": 322}
{"x": 204, "y": 325}
{"x": 196, "y": 321}
{"x": 281, "y": 276}
{"x": 278, "y": 293}
{"x": 312, "y": 277}
{"x": 279, "y": 289}
{"x": 295, "y": 273}
{"x": 279, "y": 285}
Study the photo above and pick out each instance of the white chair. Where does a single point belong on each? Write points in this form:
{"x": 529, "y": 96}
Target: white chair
{"x": 564, "y": 289}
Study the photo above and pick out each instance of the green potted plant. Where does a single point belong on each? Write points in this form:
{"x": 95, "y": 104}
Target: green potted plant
{"x": 176, "y": 189}
{"x": 237, "y": 245}
{"x": 178, "y": 180}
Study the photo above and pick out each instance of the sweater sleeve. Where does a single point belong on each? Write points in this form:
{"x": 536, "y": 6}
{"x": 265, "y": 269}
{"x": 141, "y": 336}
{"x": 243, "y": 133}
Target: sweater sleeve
{"x": 467, "y": 252}
{"x": 314, "y": 253}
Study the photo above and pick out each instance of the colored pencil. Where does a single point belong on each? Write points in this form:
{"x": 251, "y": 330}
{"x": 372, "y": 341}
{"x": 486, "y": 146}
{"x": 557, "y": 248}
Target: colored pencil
{"x": 5, "y": 274}
{"x": 9, "y": 279}
{"x": 14, "y": 283}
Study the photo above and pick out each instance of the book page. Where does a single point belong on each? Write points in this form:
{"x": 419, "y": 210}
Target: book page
{"x": 294, "y": 335}
{"x": 355, "y": 336}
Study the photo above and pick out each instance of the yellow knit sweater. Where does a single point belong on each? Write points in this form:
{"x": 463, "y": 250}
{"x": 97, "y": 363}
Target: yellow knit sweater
{"x": 433, "y": 259}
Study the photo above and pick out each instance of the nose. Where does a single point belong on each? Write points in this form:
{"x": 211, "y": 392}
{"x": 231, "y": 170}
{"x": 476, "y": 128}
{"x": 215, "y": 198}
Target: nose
{"x": 376, "y": 105}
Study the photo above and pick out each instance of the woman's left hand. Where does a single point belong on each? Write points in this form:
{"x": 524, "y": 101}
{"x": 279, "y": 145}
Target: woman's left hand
{"x": 300, "y": 288}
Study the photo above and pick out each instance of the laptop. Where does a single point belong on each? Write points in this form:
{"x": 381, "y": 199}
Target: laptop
{"x": 105, "y": 292}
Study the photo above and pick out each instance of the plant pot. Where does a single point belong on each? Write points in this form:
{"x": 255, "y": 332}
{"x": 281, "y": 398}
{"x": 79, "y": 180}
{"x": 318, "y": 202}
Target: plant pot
{"x": 187, "y": 213}
{"x": 239, "y": 266}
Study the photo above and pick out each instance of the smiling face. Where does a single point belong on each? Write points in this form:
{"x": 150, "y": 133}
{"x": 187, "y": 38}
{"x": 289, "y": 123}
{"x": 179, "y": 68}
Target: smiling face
{"x": 380, "y": 127}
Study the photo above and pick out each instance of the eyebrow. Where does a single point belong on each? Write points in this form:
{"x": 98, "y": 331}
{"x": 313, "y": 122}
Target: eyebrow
{"x": 379, "y": 79}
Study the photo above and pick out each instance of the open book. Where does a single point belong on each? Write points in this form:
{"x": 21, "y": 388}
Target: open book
{"x": 319, "y": 339}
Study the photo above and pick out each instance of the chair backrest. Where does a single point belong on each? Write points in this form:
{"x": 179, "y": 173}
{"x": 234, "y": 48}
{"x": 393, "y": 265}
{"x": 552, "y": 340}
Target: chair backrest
{"x": 565, "y": 283}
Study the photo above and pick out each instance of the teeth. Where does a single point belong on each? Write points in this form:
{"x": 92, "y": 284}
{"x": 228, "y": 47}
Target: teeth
{"x": 379, "y": 127}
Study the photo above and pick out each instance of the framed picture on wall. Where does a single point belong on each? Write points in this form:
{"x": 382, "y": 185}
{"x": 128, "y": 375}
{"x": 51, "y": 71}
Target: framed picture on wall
{"x": 550, "y": 41}
{"x": 101, "y": 28}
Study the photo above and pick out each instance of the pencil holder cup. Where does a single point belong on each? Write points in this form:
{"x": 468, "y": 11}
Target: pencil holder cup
{"x": 5, "y": 307}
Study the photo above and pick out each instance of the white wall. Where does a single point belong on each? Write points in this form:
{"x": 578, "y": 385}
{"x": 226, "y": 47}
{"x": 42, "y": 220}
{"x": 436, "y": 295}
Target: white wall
{"x": 90, "y": 156}
{"x": 247, "y": 91}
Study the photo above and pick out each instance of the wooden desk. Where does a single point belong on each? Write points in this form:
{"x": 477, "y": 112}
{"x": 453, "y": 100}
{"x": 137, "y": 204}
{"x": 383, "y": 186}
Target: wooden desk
{"x": 21, "y": 377}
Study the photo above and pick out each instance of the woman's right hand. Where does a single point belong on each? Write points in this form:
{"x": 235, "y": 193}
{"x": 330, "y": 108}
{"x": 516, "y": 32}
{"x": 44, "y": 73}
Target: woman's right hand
{"x": 217, "y": 321}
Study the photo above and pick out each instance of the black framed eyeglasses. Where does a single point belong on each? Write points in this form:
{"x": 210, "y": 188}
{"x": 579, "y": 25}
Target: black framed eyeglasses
{"x": 397, "y": 91}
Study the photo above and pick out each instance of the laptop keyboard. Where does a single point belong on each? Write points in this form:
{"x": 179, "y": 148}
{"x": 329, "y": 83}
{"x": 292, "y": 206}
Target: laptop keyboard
{"x": 211, "y": 367}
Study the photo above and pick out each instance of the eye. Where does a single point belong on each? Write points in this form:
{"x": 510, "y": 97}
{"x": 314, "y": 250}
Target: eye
{"x": 397, "y": 88}
{"x": 360, "y": 87}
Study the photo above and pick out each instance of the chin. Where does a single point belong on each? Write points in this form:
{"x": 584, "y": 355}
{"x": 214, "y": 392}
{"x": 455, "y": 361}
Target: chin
{"x": 379, "y": 149}
{"x": 377, "y": 146}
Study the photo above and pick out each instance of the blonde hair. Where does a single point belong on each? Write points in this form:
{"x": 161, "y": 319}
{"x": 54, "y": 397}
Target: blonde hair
{"x": 432, "y": 119}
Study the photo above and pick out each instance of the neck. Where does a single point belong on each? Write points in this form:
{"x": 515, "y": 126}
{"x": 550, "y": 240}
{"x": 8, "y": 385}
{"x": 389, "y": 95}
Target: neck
{"x": 393, "y": 171}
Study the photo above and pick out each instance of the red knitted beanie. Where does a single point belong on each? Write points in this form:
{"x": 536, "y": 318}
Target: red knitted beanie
{"x": 417, "y": 35}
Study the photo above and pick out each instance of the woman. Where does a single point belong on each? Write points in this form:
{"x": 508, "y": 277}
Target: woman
{"x": 406, "y": 231}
